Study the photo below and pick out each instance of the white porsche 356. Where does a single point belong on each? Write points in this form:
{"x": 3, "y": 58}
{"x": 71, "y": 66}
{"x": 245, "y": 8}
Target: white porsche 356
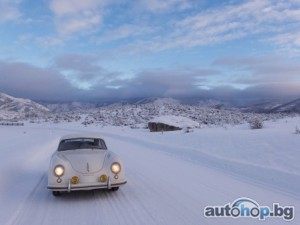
{"x": 83, "y": 162}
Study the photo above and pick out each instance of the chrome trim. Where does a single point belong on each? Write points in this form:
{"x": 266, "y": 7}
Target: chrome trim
{"x": 88, "y": 167}
{"x": 69, "y": 186}
{"x": 108, "y": 183}
{"x": 88, "y": 187}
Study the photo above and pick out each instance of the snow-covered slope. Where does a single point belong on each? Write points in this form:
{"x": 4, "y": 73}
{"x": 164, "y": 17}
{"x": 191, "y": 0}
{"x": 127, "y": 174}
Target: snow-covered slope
{"x": 171, "y": 177}
{"x": 274, "y": 106}
{"x": 121, "y": 114}
{"x": 70, "y": 106}
{"x": 292, "y": 106}
{"x": 262, "y": 107}
{"x": 21, "y": 105}
{"x": 138, "y": 115}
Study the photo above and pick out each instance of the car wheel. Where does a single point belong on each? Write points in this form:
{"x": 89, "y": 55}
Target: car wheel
{"x": 55, "y": 193}
{"x": 114, "y": 188}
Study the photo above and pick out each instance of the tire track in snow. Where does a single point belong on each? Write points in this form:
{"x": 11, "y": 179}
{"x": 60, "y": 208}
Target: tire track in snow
{"x": 26, "y": 207}
{"x": 151, "y": 147}
{"x": 215, "y": 185}
{"x": 253, "y": 174}
{"x": 136, "y": 204}
{"x": 158, "y": 192}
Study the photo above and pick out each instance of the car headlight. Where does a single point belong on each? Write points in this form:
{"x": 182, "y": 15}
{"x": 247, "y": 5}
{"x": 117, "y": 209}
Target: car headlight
{"x": 59, "y": 170}
{"x": 115, "y": 167}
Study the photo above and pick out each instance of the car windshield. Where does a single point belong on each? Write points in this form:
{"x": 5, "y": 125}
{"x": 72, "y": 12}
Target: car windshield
{"x": 81, "y": 143}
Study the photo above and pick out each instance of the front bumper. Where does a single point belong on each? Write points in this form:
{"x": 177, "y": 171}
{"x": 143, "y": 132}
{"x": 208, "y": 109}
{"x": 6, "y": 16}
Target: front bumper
{"x": 76, "y": 187}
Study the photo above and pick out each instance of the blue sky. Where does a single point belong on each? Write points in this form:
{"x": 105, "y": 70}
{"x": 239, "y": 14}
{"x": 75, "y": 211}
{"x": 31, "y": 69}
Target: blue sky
{"x": 93, "y": 50}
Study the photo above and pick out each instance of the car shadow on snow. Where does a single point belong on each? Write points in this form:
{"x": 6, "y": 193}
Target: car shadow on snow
{"x": 89, "y": 195}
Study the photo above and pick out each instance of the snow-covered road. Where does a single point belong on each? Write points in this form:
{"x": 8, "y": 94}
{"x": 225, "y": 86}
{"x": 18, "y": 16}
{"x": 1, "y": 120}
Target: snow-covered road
{"x": 163, "y": 187}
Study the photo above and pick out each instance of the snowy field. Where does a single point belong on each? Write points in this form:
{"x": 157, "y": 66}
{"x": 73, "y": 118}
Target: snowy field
{"x": 172, "y": 176}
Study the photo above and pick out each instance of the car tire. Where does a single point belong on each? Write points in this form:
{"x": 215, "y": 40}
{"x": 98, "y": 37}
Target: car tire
{"x": 114, "y": 188}
{"x": 55, "y": 193}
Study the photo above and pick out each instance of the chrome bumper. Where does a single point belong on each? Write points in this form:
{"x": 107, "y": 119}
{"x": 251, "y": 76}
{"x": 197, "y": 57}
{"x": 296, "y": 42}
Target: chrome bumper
{"x": 76, "y": 187}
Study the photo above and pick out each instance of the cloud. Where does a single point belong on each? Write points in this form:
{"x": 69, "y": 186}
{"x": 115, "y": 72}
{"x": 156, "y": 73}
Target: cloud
{"x": 161, "y": 83}
{"x": 9, "y": 10}
{"x": 124, "y": 32}
{"x": 270, "y": 22}
{"x": 50, "y": 41}
{"x": 257, "y": 92}
{"x": 157, "y": 6}
{"x": 288, "y": 42}
{"x": 268, "y": 69}
{"x": 239, "y": 20}
{"x": 79, "y": 23}
{"x": 272, "y": 90}
{"x": 77, "y": 16}
{"x": 261, "y": 78}
{"x": 147, "y": 83}
{"x": 77, "y": 62}
{"x": 81, "y": 71}
{"x": 236, "y": 21}
{"x": 84, "y": 71}
{"x": 70, "y": 7}
{"x": 24, "y": 80}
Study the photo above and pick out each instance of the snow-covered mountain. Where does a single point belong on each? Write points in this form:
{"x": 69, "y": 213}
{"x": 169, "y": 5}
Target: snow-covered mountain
{"x": 292, "y": 106}
{"x": 20, "y": 105}
{"x": 137, "y": 113}
{"x": 70, "y": 106}
{"x": 262, "y": 107}
{"x": 274, "y": 106}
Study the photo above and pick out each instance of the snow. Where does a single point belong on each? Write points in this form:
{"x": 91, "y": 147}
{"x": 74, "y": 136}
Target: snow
{"x": 171, "y": 176}
{"x": 21, "y": 105}
{"x": 125, "y": 114}
{"x": 176, "y": 121}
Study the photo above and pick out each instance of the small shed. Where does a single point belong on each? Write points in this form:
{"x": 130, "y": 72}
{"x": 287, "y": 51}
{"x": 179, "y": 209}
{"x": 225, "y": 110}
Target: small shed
{"x": 171, "y": 123}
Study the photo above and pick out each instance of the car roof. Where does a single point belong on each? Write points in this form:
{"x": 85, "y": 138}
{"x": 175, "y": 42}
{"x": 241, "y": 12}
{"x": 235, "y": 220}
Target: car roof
{"x": 71, "y": 136}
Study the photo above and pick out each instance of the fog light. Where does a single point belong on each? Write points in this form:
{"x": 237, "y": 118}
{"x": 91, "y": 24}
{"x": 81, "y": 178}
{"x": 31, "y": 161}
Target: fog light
{"x": 116, "y": 177}
{"x": 74, "y": 180}
{"x": 59, "y": 180}
{"x": 103, "y": 178}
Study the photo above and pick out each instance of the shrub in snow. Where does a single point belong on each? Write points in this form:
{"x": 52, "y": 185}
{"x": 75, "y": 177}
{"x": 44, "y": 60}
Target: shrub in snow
{"x": 188, "y": 130}
{"x": 297, "y": 130}
{"x": 256, "y": 124}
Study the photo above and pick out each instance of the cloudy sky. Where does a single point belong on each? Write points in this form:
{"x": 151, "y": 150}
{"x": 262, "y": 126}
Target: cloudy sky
{"x": 61, "y": 50}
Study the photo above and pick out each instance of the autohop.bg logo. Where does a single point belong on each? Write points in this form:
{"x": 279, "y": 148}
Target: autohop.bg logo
{"x": 246, "y": 207}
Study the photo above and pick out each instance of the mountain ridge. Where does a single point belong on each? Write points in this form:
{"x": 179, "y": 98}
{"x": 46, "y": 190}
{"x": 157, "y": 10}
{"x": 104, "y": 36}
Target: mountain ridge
{"x": 23, "y": 105}
{"x": 20, "y": 105}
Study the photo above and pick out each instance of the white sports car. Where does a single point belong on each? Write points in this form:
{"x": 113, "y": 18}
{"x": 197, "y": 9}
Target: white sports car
{"x": 83, "y": 162}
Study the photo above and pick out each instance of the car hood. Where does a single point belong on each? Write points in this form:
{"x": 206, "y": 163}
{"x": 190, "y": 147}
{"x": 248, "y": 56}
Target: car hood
{"x": 85, "y": 160}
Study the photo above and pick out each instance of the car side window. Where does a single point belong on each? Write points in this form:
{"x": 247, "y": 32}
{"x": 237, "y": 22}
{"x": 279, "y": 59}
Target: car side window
{"x": 102, "y": 144}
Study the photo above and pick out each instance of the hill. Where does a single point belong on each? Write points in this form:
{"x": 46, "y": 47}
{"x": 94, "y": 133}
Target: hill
{"x": 11, "y": 107}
